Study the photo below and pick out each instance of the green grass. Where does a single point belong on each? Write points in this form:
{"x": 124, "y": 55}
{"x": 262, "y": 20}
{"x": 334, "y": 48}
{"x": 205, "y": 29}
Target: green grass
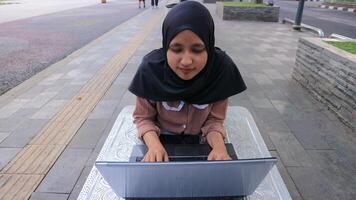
{"x": 243, "y": 4}
{"x": 347, "y": 46}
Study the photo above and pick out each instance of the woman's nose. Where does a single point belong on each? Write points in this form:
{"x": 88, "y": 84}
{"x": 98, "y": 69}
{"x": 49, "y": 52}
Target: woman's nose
{"x": 186, "y": 59}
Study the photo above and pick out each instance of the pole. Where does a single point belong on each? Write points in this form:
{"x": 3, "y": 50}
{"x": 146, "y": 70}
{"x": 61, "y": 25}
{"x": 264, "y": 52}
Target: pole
{"x": 298, "y": 17}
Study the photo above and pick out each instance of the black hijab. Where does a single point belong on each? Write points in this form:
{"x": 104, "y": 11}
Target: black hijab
{"x": 219, "y": 79}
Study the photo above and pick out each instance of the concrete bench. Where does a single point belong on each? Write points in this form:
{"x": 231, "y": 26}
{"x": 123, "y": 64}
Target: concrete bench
{"x": 242, "y": 133}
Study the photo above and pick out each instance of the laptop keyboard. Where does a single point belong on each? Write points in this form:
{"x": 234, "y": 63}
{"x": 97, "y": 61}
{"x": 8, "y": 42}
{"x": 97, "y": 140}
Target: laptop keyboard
{"x": 181, "y": 158}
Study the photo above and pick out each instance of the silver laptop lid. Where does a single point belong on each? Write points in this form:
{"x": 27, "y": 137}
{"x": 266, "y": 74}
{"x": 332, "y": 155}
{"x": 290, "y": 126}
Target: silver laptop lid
{"x": 185, "y": 179}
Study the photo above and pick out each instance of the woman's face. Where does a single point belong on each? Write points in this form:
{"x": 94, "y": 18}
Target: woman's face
{"x": 187, "y": 55}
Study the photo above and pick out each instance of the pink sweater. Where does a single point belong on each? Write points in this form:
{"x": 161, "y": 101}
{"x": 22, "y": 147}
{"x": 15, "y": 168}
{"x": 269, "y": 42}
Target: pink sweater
{"x": 179, "y": 117}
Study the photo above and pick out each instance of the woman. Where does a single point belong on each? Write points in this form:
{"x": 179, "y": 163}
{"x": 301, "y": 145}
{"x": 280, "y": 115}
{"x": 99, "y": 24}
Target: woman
{"x": 183, "y": 87}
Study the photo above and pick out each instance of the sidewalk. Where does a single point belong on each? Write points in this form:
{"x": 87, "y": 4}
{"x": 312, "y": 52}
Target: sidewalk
{"x": 62, "y": 115}
{"x": 349, "y": 7}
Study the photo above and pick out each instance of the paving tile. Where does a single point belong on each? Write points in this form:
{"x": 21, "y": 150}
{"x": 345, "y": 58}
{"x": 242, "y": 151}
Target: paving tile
{"x": 48, "y": 196}
{"x": 312, "y": 183}
{"x": 51, "y": 79}
{"x": 57, "y": 86}
{"x": 75, "y": 73}
{"x": 104, "y": 109}
{"x": 16, "y": 119}
{"x": 67, "y": 92}
{"x": 240, "y": 102}
{"x": 115, "y": 92}
{"x": 273, "y": 74}
{"x": 24, "y": 133}
{"x": 308, "y": 134}
{"x": 290, "y": 150}
{"x": 275, "y": 94}
{"x": 260, "y": 102}
{"x": 32, "y": 92}
{"x": 338, "y": 170}
{"x": 40, "y": 100}
{"x": 89, "y": 134}
{"x": 288, "y": 110}
{"x": 94, "y": 155}
{"x": 3, "y": 135}
{"x": 273, "y": 61}
{"x": 126, "y": 76}
{"x": 105, "y": 134}
{"x": 6, "y": 154}
{"x": 128, "y": 99}
{"x": 65, "y": 172}
{"x": 49, "y": 110}
{"x": 269, "y": 119}
{"x": 251, "y": 83}
{"x": 137, "y": 59}
{"x": 7, "y": 110}
{"x": 78, "y": 186}
{"x": 293, "y": 191}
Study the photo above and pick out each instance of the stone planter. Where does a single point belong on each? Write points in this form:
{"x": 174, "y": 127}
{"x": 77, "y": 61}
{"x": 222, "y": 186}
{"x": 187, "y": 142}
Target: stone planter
{"x": 329, "y": 74}
{"x": 266, "y": 14}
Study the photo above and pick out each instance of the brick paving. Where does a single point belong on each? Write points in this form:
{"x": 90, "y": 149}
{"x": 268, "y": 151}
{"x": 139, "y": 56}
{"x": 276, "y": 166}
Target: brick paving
{"x": 316, "y": 151}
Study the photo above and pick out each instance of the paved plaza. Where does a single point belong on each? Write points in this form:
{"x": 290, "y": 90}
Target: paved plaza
{"x": 88, "y": 89}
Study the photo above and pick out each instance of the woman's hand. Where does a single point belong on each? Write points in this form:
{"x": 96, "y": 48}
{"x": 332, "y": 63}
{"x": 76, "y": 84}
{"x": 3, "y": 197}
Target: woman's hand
{"x": 218, "y": 152}
{"x": 156, "y": 151}
{"x": 156, "y": 154}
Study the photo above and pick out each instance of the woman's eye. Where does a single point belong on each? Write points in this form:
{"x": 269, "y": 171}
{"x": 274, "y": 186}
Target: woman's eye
{"x": 198, "y": 50}
{"x": 176, "y": 49}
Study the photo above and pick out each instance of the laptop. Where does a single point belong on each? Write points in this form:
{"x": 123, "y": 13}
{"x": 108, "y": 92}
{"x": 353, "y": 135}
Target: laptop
{"x": 188, "y": 174}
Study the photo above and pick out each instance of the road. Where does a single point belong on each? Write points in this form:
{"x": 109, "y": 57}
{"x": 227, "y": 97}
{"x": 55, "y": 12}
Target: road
{"x": 330, "y": 21}
{"x": 29, "y": 45}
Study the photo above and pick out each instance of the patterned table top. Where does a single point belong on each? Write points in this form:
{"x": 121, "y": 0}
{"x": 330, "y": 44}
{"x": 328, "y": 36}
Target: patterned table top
{"x": 247, "y": 142}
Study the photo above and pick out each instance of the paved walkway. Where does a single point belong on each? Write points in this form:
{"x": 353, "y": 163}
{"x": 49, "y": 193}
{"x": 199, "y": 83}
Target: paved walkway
{"x": 316, "y": 151}
{"x": 32, "y": 44}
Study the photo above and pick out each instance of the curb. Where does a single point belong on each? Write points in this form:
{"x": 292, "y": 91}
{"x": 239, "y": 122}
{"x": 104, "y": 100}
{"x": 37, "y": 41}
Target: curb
{"x": 339, "y": 8}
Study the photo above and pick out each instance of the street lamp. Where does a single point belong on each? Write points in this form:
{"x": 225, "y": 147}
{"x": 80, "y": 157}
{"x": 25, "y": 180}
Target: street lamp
{"x": 298, "y": 17}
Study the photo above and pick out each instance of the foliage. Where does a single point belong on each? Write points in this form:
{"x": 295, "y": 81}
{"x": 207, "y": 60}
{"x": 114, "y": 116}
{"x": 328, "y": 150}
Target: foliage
{"x": 348, "y": 46}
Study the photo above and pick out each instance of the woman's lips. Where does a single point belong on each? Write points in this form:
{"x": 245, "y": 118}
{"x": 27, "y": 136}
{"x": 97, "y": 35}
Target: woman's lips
{"x": 186, "y": 71}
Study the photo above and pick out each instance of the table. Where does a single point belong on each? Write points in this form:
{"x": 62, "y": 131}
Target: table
{"x": 241, "y": 130}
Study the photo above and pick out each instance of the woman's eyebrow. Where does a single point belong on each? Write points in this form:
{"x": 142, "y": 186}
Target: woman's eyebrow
{"x": 198, "y": 45}
{"x": 175, "y": 45}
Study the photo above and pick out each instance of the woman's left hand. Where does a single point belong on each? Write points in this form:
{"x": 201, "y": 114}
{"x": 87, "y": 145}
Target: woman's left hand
{"x": 219, "y": 154}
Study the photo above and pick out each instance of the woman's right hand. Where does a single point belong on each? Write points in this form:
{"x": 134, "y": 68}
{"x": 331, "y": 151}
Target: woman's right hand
{"x": 156, "y": 151}
{"x": 156, "y": 154}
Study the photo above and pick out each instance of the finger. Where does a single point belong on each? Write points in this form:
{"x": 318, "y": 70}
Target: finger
{"x": 166, "y": 159}
{"x": 211, "y": 157}
{"x": 148, "y": 158}
{"x": 219, "y": 157}
{"x": 152, "y": 158}
{"x": 145, "y": 158}
{"x": 159, "y": 157}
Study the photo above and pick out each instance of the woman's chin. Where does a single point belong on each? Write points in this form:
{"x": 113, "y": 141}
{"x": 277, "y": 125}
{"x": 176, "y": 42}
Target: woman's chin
{"x": 186, "y": 77}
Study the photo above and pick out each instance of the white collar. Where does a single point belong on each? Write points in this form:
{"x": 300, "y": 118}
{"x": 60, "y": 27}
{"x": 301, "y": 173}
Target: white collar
{"x": 180, "y": 106}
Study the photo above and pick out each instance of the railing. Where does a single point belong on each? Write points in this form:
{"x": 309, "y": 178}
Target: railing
{"x": 305, "y": 26}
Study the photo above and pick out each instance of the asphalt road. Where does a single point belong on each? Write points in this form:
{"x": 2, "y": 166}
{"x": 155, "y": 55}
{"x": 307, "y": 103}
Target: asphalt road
{"x": 30, "y": 45}
{"x": 330, "y": 21}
